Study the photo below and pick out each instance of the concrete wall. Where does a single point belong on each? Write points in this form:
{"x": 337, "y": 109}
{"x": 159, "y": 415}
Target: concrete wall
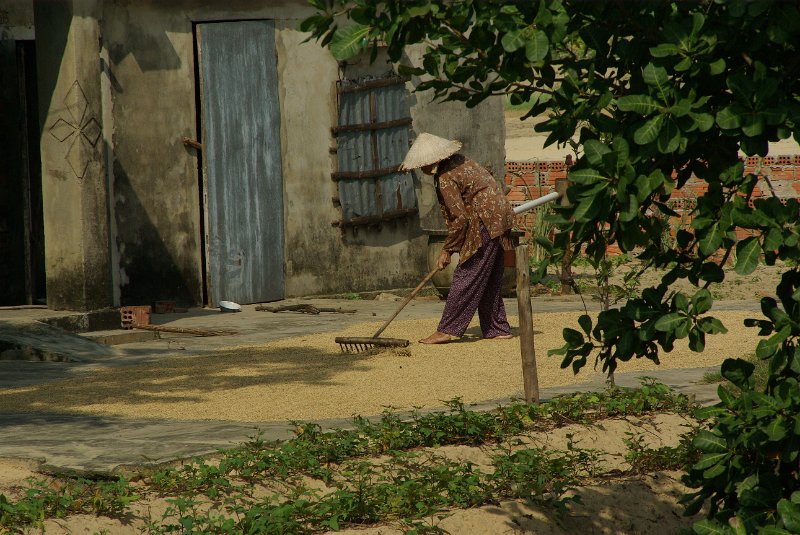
{"x": 154, "y": 178}
{"x": 75, "y": 203}
{"x": 16, "y": 20}
{"x": 481, "y": 129}
{"x": 148, "y": 85}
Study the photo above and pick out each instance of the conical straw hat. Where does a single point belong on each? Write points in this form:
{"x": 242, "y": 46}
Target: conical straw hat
{"x": 428, "y": 149}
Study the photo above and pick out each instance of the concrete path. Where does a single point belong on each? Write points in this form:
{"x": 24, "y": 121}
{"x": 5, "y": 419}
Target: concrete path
{"x": 103, "y": 445}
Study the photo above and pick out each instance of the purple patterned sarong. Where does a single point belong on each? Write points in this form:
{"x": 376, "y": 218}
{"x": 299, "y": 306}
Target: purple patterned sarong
{"x": 476, "y": 286}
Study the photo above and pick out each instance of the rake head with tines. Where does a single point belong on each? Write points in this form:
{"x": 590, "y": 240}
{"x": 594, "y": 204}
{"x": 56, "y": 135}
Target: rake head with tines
{"x": 357, "y": 345}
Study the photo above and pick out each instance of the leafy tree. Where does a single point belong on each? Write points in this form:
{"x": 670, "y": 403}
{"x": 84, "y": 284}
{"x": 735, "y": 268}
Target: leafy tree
{"x": 652, "y": 93}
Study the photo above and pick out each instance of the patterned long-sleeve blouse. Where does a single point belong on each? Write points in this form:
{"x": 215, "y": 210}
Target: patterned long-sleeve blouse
{"x": 468, "y": 196}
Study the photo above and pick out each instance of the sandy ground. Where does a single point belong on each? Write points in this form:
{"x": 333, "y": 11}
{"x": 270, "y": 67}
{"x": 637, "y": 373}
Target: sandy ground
{"x": 308, "y": 378}
{"x": 650, "y": 504}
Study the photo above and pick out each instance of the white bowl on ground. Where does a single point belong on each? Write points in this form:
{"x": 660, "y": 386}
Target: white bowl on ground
{"x": 229, "y": 306}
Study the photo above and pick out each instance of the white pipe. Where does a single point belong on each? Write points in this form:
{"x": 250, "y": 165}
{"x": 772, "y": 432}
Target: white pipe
{"x": 536, "y": 202}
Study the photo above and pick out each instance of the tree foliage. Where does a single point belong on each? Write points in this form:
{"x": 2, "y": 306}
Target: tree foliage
{"x": 651, "y": 93}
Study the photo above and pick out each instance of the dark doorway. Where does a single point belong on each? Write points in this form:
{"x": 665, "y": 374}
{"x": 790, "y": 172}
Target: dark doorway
{"x": 21, "y": 225}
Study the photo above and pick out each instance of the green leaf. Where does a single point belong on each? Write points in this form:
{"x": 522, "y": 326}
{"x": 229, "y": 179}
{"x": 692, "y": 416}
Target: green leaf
{"x": 680, "y": 108}
{"x": 708, "y": 442}
{"x": 639, "y": 104}
{"x": 586, "y": 323}
{"x": 737, "y": 371}
{"x": 683, "y": 65}
{"x": 514, "y": 40}
{"x": 767, "y": 348}
{"x": 752, "y": 124}
{"x": 537, "y": 46}
{"x": 664, "y": 49}
{"x": 630, "y": 208}
{"x": 717, "y": 67}
{"x": 704, "y": 413}
{"x": 704, "y": 121}
{"x": 572, "y": 337}
{"x": 419, "y": 11}
{"x": 669, "y": 138}
{"x": 587, "y": 209}
{"x": 349, "y": 42}
{"x": 727, "y": 119}
{"x": 594, "y": 150}
{"x": 586, "y": 175}
{"x": 681, "y": 302}
{"x": 772, "y": 530}
{"x": 655, "y": 76}
{"x": 714, "y": 471}
{"x": 333, "y": 523}
{"x": 790, "y": 515}
{"x": 708, "y": 527}
{"x": 697, "y": 340}
{"x": 725, "y": 396}
{"x": 773, "y": 239}
{"x": 711, "y": 241}
{"x": 775, "y": 430}
{"x": 702, "y": 301}
{"x": 646, "y": 185}
{"x": 648, "y": 132}
{"x": 313, "y": 22}
{"x": 669, "y": 322}
{"x": 748, "y": 253}
{"x": 712, "y": 326}
{"x": 697, "y": 22}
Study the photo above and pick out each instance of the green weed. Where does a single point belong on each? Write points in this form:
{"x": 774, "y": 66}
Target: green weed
{"x": 643, "y": 459}
{"x": 409, "y": 486}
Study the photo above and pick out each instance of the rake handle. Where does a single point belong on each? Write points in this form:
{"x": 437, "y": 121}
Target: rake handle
{"x": 408, "y": 299}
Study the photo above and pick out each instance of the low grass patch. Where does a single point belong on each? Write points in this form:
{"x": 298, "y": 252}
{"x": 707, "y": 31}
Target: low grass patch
{"x": 760, "y": 373}
{"x": 380, "y": 470}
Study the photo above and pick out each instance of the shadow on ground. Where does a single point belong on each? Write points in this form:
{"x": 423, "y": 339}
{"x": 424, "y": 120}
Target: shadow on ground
{"x": 185, "y": 379}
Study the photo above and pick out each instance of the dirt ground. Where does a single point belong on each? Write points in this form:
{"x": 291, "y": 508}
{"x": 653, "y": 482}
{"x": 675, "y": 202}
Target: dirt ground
{"x": 263, "y": 384}
{"x": 307, "y": 378}
{"x": 650, "y": 503}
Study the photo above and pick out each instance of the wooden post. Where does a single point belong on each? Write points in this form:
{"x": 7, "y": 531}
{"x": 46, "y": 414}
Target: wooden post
{"x": 566, "y": 262}
{"x": 530, "y": 376}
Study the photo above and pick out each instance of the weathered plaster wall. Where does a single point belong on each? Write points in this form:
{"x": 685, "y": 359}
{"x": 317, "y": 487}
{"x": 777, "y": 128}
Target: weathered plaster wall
{"x": 73, "y": 168}
{"x": 481, "y": 129}
{"x": 322, "y": 258}
{"x": 156, "y": 196}
{"x": 154, "y": 180}
{"x": 16, "y": 20}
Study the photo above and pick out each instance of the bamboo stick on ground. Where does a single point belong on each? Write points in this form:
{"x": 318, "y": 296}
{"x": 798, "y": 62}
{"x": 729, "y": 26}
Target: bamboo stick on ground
{"x": 185, "y": 330}
{"x": 303, "y": 308}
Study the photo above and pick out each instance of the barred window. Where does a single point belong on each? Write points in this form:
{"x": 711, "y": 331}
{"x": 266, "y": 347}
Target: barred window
{"x": 372, "y": 140}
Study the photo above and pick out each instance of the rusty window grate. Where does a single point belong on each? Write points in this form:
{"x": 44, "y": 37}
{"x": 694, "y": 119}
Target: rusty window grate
{"x": 372, "y": 138}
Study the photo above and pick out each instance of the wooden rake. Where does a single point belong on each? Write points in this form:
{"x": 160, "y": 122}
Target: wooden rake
{"x": 351, "y": 344}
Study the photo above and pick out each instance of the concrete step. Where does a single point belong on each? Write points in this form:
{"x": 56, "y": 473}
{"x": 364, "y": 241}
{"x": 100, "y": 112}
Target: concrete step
{"x": 121, "y": 336}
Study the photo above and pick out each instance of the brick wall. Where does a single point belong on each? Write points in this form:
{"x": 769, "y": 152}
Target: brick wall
{"x": 527, "y": 180}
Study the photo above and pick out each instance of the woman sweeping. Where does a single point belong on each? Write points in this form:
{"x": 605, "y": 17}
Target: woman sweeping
{"x": 479, "y": 220}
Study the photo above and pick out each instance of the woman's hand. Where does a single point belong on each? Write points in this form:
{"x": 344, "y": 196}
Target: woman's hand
{"x": 443, "y": 261}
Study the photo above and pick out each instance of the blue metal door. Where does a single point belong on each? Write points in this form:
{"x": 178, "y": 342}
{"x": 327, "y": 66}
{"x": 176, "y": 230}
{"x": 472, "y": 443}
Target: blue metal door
{"x": 241, "y": 161}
